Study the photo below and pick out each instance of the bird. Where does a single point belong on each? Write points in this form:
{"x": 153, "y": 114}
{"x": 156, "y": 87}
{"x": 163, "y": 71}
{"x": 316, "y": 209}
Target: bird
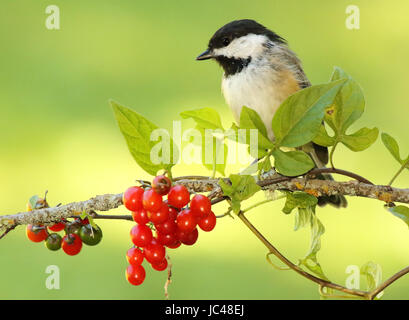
{"x": 260, "y": 72}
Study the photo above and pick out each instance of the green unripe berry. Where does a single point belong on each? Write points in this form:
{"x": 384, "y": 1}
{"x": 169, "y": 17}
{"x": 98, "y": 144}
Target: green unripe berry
{"x": 53, "y": 242}
{"x": 91, "y": 236}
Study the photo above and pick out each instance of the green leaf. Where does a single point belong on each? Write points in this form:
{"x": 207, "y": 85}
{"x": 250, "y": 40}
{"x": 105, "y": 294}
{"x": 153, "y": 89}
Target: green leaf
{"x": 302, "y": 217}
{"x": 137, "y": 132}
{"x": 349, "y": 103}
{"x": 242, "y": 187}
{"x": 250, "y": 119}
{"x": 401, "y": 212}
{"x": 298, "y": 119}
{"x": 207, "y": 118}
{"x": 306, "y": 214}
{"x": 292, "y": 163}
{"x": 310, "y": 261}
{"x": 393, "y": 147}
{"x": 262, "y": 143}
{"x": 265, "y": 165}
{"x": 298, "y": 199}
{"x": 361, "y": 140}
{"x": 373, "y": 273}
{"x": 83, "y": 215}
{"x": 317, "y": 230}
{"x": 33, "y": 202}
{"x": 245, "y": 186}
{"x": 323, "y": 139}
{"x": 348, "y": 107}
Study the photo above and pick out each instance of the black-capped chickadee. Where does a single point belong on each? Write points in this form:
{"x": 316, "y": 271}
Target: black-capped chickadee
{"x": 260, "y": 72}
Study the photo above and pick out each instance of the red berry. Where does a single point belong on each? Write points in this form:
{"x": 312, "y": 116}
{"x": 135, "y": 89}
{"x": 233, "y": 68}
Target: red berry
{"x": 161, "y": 185}
{"x": 36, "y": 233}
{"x": 188, "y": 238}
{"x": 173, "y": 213}
{"x": 135, "y": 274}
{"x": 174, "y": 245}
{"x": 154, "y": 253}
{"x": 161, "y": 265}
{"x": 141, "y": 235}
{"x": 57, "y": 227}
{"x": 151, "y": 201}
{"x": 132, "y": 198}
{"x": 166, "y": 239}
{"x": 167, "y": 227}
{"x": 71, "y": 244}
{"x": 178, "y": 196}
{"x": 135, "y": 256}
{"x": 208, "y": 223}
{"x": 160, "y": 216}
{"x": 200, "y": 206}
{"x": 186, "y": 221}
{"x": 140, "y": 216}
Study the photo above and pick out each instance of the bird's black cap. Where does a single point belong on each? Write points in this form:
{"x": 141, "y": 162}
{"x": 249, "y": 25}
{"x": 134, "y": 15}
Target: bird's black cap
{"x": 239, "y": 28}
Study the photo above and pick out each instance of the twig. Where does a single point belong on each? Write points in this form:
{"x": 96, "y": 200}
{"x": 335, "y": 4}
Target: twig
{"x": 169, "y": 278}
{"x": 112, "y": 217}
{"x": 273, "y": 250}
{"x": 7, "y": 231}
{"x": 341, "y": 172}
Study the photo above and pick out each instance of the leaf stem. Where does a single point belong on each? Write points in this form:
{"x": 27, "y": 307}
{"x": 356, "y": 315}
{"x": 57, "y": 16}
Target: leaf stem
{"x": 214, "y": 171}
{"x": 331, "y": 155}
{"x": 257, "y": 204}
{"x": 341, "y": 172}
{"x": 404, "y": 165}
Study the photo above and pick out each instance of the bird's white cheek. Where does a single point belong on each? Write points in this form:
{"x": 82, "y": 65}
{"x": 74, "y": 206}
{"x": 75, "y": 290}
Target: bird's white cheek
{"x": 250, "y": 45}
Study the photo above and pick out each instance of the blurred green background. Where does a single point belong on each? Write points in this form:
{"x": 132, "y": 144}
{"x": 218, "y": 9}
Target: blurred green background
{"x": 58, "y": 133}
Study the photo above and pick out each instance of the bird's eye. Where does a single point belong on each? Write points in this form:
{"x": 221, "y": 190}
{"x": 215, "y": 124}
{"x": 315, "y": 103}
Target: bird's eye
{"x": 226, "y": 41}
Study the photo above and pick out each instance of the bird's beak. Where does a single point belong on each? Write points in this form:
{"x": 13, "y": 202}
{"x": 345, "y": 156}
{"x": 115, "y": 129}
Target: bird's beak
{"x": 205, "y": 55}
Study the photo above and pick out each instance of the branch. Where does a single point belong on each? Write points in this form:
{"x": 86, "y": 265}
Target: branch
{"x": 104, "y": 202}
{"x": 350, "y": 188}
{"x": 108, "y": 202}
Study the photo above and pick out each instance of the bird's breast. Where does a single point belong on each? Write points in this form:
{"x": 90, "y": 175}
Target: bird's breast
{"x": 260, "y": 88}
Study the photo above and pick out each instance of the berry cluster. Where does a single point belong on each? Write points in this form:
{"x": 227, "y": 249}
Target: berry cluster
{"x": 77, "y": 232}
{"x": 174, "y": 221}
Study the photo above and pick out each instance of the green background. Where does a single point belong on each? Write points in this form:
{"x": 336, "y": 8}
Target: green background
{"x": 58, "y": 133}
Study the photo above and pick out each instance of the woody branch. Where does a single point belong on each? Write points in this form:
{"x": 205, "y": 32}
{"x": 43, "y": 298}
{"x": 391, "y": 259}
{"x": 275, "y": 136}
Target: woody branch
{"x": 360, "y": 187}
{"x": 108, "y": 202}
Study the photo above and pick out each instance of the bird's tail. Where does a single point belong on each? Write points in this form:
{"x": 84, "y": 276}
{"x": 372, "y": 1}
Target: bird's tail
{"x": 337, "y": 201}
